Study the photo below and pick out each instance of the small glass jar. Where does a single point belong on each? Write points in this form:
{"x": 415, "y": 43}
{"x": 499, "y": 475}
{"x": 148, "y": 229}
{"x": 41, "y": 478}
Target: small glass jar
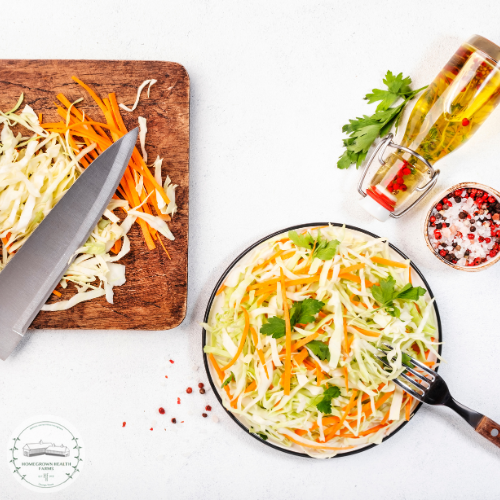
{"x": 447, "y": 114}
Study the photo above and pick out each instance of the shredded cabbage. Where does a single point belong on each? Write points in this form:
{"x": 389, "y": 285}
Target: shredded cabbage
{"x": 342, "y": 338}
{"x": 35, "y": 173}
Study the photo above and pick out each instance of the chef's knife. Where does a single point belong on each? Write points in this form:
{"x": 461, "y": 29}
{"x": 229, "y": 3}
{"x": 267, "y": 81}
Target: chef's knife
{"x": 29, "y": 278}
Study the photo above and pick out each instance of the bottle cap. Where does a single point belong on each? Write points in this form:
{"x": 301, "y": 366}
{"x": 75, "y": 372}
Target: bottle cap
{"x": 375, "y": 209}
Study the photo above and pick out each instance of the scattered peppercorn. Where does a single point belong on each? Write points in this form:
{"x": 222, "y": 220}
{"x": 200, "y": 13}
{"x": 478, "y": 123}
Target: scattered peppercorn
{"x": 124, "y": 424}
{"x": 189, "y": 390}
{"x": 174, "y": 421}
{"x": 204, "y": 415}
{"x": 208, "y": 408}
{"x": 202, "y": 391}
{"x": 201, "y": 385}
{"x": 472, "y": 229}
{"x": 162, "y": 411}
{"x": 457, "y": 199}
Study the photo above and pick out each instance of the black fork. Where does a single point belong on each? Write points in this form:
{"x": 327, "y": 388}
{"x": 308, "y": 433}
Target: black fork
{"x": 430, "y": 388}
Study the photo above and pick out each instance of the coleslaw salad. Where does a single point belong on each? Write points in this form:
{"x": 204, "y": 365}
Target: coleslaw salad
{"x": 292, "y": 332}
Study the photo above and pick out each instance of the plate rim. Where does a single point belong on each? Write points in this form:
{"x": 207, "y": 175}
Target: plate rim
{"x": 223, "y": 277}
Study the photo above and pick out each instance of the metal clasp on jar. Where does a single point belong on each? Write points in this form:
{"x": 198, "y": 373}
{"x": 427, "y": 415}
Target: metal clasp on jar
{"x": 380, "y": 150}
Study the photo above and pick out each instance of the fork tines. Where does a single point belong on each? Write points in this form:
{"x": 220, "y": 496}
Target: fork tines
{"x": 419, "y": 391}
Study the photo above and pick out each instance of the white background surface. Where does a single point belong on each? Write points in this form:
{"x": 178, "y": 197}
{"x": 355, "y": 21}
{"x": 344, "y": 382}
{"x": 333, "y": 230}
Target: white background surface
{"x": 271, "y": 85}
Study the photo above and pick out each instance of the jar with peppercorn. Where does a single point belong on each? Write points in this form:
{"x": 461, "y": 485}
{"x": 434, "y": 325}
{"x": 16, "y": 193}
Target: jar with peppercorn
{"x": 446, "y": 115}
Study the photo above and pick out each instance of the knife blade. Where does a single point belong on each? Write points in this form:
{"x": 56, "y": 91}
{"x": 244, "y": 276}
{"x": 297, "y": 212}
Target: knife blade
{"x": 29, "y": 278}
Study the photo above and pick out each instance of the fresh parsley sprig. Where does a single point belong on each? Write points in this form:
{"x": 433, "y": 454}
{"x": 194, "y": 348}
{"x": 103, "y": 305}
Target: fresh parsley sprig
{"x": 319, "y": 349}
{"x": 325, "y": 405}
{"x": 324, "y": 249}
{"x": 385, "y": 294}
{"x": 229, "y": 379}
{"x": 363, "y": 131}
{"x": 301, "y": 312}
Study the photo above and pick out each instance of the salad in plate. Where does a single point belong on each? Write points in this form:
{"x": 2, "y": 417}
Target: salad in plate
{"x": 292, "y": 339}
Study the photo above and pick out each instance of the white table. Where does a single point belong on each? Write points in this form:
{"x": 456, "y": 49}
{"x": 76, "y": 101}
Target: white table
{"x": 272, "y": 84}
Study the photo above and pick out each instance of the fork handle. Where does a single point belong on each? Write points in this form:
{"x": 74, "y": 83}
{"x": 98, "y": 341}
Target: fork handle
{"x": 490, "y": 430}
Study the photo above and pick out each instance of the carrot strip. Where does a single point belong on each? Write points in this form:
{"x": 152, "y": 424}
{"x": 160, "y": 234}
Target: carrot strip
{"x": 251, "y": 387}
{"x": 369, "y": 333}
{"x": 117, "y": 246}
{"x": 259, "y": 351}
{"x": 267, "y": 261}
{"x": 300, "y": 432}
{"x": 387, "y": 262}
{"x": 356, "y": 279}
{"x": 304, "y": 341}
{"x": 242, "y": 341}
{"x": 409, "y": 274}
{"x": 94, "y": 96}
{"x": 288, "y": 343}
{"x": 299, "y": 358}
{"x": 221, "y": 377}
{"x": 408, "y": 408}
{"x": 166, "y": 251}
{"x": 262, "y": 299}
{"x": 58, "y": 294}
{"x": 330, "y": 434}
{"x": 316, "y": 446}
{"x": 346, "y": 376}
{"x": 221, "y": 289}
{"x": 350, "y": 269}
{"x": 367, "y": 408}
{"x": 319, "y": 373}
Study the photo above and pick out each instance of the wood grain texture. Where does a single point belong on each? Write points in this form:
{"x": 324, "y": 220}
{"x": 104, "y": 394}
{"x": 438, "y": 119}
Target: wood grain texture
{"x": 155, "y": 294}
{"x": 486, "y": 426}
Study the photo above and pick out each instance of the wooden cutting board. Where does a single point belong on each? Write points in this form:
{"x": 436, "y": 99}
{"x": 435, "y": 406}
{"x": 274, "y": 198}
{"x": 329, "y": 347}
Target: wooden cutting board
{"x": 155, "y": 294}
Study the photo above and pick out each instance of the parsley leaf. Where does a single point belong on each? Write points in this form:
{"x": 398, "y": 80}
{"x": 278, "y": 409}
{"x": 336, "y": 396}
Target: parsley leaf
{"x": 301, "y": 240}
{"x": 326, "y": 250}
{"x": 385, "y": 294}
{"x": 231, "y": 377}
{"x": 262, "y": 435}
{"x": 321, "y": 350}
{"x": 363, "y": 131}
{"x": 303, "y": 312}
{"x": 275, "y": 327}
{"x": 325, "y": 405}
{"x": 409, "y": 292}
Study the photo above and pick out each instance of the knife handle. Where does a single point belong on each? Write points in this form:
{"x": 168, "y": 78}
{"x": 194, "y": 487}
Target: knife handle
{"x": 490, "y": 430}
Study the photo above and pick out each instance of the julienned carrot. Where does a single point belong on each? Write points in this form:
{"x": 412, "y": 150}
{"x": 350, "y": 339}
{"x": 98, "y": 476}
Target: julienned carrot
{"x": 300, "y": 432}
{"x": 367, "y": 408}
{"x": 299, "y": 358}
{"x": 221, "y": 289}
{"x": 220, "y": 373}
{"x": 288, "y": 342}
{"x": 319, "y": 373}
{"x": 262, "y": 299}
{"x": 242, "y": 341}
{"x": 255, "y": 339}
{"x": 304, "y": 341}
{"x": 408, "y": 408}
{"x": 350, "y": 269}
{"x": 117, "y": 246}
{"x": 346, "y": 338}
{"x": 251, "y": 387}
{"x": 316, "y": 446}
{"x": 58, "y": 294}
{"x": 330, "y": 434}
{"x": 368, "y": 333}
{"x": 356, "y": 279}
{"x": 387, "y": 262}
{"x": 346, "y": 376}
{"x": 267, "y": 261}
